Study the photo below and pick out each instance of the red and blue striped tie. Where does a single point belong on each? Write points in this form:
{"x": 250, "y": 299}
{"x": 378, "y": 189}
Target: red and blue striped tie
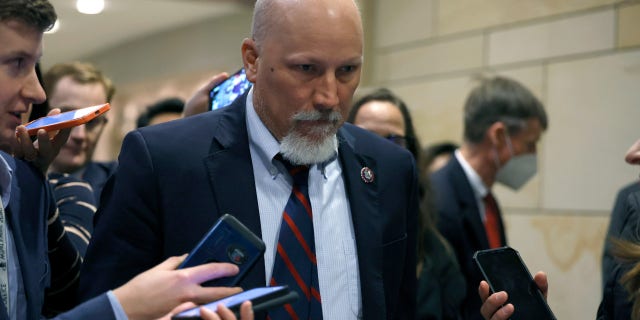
{"x": 295, "y": 262}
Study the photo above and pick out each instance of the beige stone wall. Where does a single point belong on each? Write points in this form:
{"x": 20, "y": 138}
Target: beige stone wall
{"x": 582, "y": 58}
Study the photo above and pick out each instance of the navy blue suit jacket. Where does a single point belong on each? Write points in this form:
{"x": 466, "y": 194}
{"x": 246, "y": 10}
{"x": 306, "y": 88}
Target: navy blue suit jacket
{"x": 30, "y": 203}
{"x": 460, "y": 223}
{"x": 176, "y": 179}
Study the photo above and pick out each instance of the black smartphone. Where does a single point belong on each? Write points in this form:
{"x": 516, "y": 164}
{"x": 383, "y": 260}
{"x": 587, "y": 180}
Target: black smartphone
{"x": 227, "y": 241}
{"x": 504, "y": 270}
{"x": 229, "y": 90}
{"x": 261, "y": 299}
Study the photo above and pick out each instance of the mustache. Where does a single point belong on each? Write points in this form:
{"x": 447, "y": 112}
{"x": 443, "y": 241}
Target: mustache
{"x": 315, "y": 115}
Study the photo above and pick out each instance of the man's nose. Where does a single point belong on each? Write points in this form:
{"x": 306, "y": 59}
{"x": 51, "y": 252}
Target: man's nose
{"x": 326, "y": 92}
{"x": 79, "y": 132}
{"x": 32, "y": 90}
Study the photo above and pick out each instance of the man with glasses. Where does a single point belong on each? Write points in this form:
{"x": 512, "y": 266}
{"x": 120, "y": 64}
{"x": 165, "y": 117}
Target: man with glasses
{"x": 76, "y": 180}
{"x": 72, "y": 86}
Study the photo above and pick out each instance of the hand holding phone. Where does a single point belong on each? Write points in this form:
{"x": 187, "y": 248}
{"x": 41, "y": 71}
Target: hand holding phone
{"x": 66, "y": 119}
{"x": 504, "y": 270}
{"x": 229, "y": 90}
{"x": 261, "y": 299}
{"x": 227, "y": 241}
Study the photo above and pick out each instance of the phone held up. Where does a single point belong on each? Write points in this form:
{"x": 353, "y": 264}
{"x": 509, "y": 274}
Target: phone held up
{"x": 229, "y": 90}
{"x": 504, "y": 270}
{"x": 263, "y": 298}
{"x": 66, "y": 119}
{"x": 227, "y": 241}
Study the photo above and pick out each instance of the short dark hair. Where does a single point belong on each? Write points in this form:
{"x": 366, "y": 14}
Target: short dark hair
{"x": 384, "y": 94}
{"x": 170, "y": 105}
{"x": 39, "y": 14}
{"x": 500, "y": 99}
{"x": 434, "y": 150}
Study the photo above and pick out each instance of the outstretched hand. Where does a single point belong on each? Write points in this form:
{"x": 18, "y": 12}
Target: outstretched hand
{"x": 157, "y": 291}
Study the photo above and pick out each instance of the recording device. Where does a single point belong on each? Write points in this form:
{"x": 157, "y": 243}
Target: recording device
{"x": 229, "y": 90}
{"x": 227, "y": 241}
{"x": 504, "y": 270}
{"x": 66, "y": 119}
{"x": 261, "y": 299}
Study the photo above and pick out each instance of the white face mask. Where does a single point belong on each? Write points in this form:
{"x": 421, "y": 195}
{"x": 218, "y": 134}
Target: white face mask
{"x": 518, "y": 170}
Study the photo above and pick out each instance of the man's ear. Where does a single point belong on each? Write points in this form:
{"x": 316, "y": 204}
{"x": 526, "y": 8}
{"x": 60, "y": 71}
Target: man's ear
{"x": 250, "y": 58}
{"x": 497, "y": 133}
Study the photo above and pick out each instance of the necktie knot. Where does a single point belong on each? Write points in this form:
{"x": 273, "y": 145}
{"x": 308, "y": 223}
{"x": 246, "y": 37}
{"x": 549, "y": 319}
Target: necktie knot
{"x": 299, "y": 173}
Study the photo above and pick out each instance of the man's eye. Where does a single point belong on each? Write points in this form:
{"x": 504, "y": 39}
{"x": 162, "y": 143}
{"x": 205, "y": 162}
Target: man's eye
{"x": 348, "y": 69}
{"x": 305, "y": 67}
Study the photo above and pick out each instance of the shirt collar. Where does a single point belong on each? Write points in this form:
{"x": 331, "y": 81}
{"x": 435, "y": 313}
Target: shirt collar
{"x": 479, "y": 189}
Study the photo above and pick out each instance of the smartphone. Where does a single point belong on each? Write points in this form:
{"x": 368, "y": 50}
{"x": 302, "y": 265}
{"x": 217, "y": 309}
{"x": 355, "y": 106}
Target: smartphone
{"x": 66, "y": 119}
{"x": 504, "y": 270}
{"x": 227, "y": 241}
{"x": 229, "y": 90}
{"x": 262, "y": 299}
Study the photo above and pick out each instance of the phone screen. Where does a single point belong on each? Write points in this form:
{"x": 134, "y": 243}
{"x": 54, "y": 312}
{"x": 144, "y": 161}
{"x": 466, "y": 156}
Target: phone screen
{"x": 234, "y": 301}
{"x": 504, "y": 270}
{"x": 229, "y": 90}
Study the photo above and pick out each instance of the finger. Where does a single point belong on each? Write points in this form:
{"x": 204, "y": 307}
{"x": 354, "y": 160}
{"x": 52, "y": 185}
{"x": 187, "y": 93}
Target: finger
{"x": 224, "y": 312}
{"x": 541, "y": 281}
{"x": 60, "y": 139}
{"x": 207, "y": 314}
{"x": 204, "y": 295}
{"x": 170, "y": 263}
{"x": 246, "y": 311}
{"x": 29, "y": 150}
{"x": 492, "y": 304}
{"x": 21, "y": 135}
{"x": 483, "y": 290}
{"x": 504, "y": 313}
{"x": 182, "y": 307}
{"x": 210, "y": 271}
{"x": 214, "y": 81}
{"x": 53, "y": 112}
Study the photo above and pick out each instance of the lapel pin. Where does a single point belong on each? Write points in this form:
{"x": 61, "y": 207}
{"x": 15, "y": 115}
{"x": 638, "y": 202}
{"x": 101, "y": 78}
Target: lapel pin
{"x": 367, "y": 175}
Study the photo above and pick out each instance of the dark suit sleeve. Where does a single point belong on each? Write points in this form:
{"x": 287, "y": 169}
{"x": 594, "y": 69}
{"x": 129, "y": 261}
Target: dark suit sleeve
{"x": 96, "y": 308}
{"x": 127, "y": 240}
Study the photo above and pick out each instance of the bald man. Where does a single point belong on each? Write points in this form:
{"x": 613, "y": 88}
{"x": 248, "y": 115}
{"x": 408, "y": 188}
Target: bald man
{"x": 304, "y": 59}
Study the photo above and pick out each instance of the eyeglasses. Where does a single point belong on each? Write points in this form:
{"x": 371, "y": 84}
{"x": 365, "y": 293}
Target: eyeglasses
{"x": 397, "y": 139}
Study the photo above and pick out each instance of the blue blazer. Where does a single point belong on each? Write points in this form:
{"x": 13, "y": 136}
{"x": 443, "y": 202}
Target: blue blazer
{"x": 27, "y": 213}
{"x": 460, "y": 223}
{"x": 176, "y": 179}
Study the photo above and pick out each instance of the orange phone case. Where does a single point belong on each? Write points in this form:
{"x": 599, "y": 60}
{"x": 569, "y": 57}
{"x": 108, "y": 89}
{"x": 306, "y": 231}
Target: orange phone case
{"x": 90, "y": 113}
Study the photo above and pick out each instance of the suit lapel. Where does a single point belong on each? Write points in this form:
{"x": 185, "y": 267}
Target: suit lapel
{"x": 231, "y": 177}
{"x": 24, "y": 232}
{"x": 470, "y": 210}
{"x": 365, "y": 214}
